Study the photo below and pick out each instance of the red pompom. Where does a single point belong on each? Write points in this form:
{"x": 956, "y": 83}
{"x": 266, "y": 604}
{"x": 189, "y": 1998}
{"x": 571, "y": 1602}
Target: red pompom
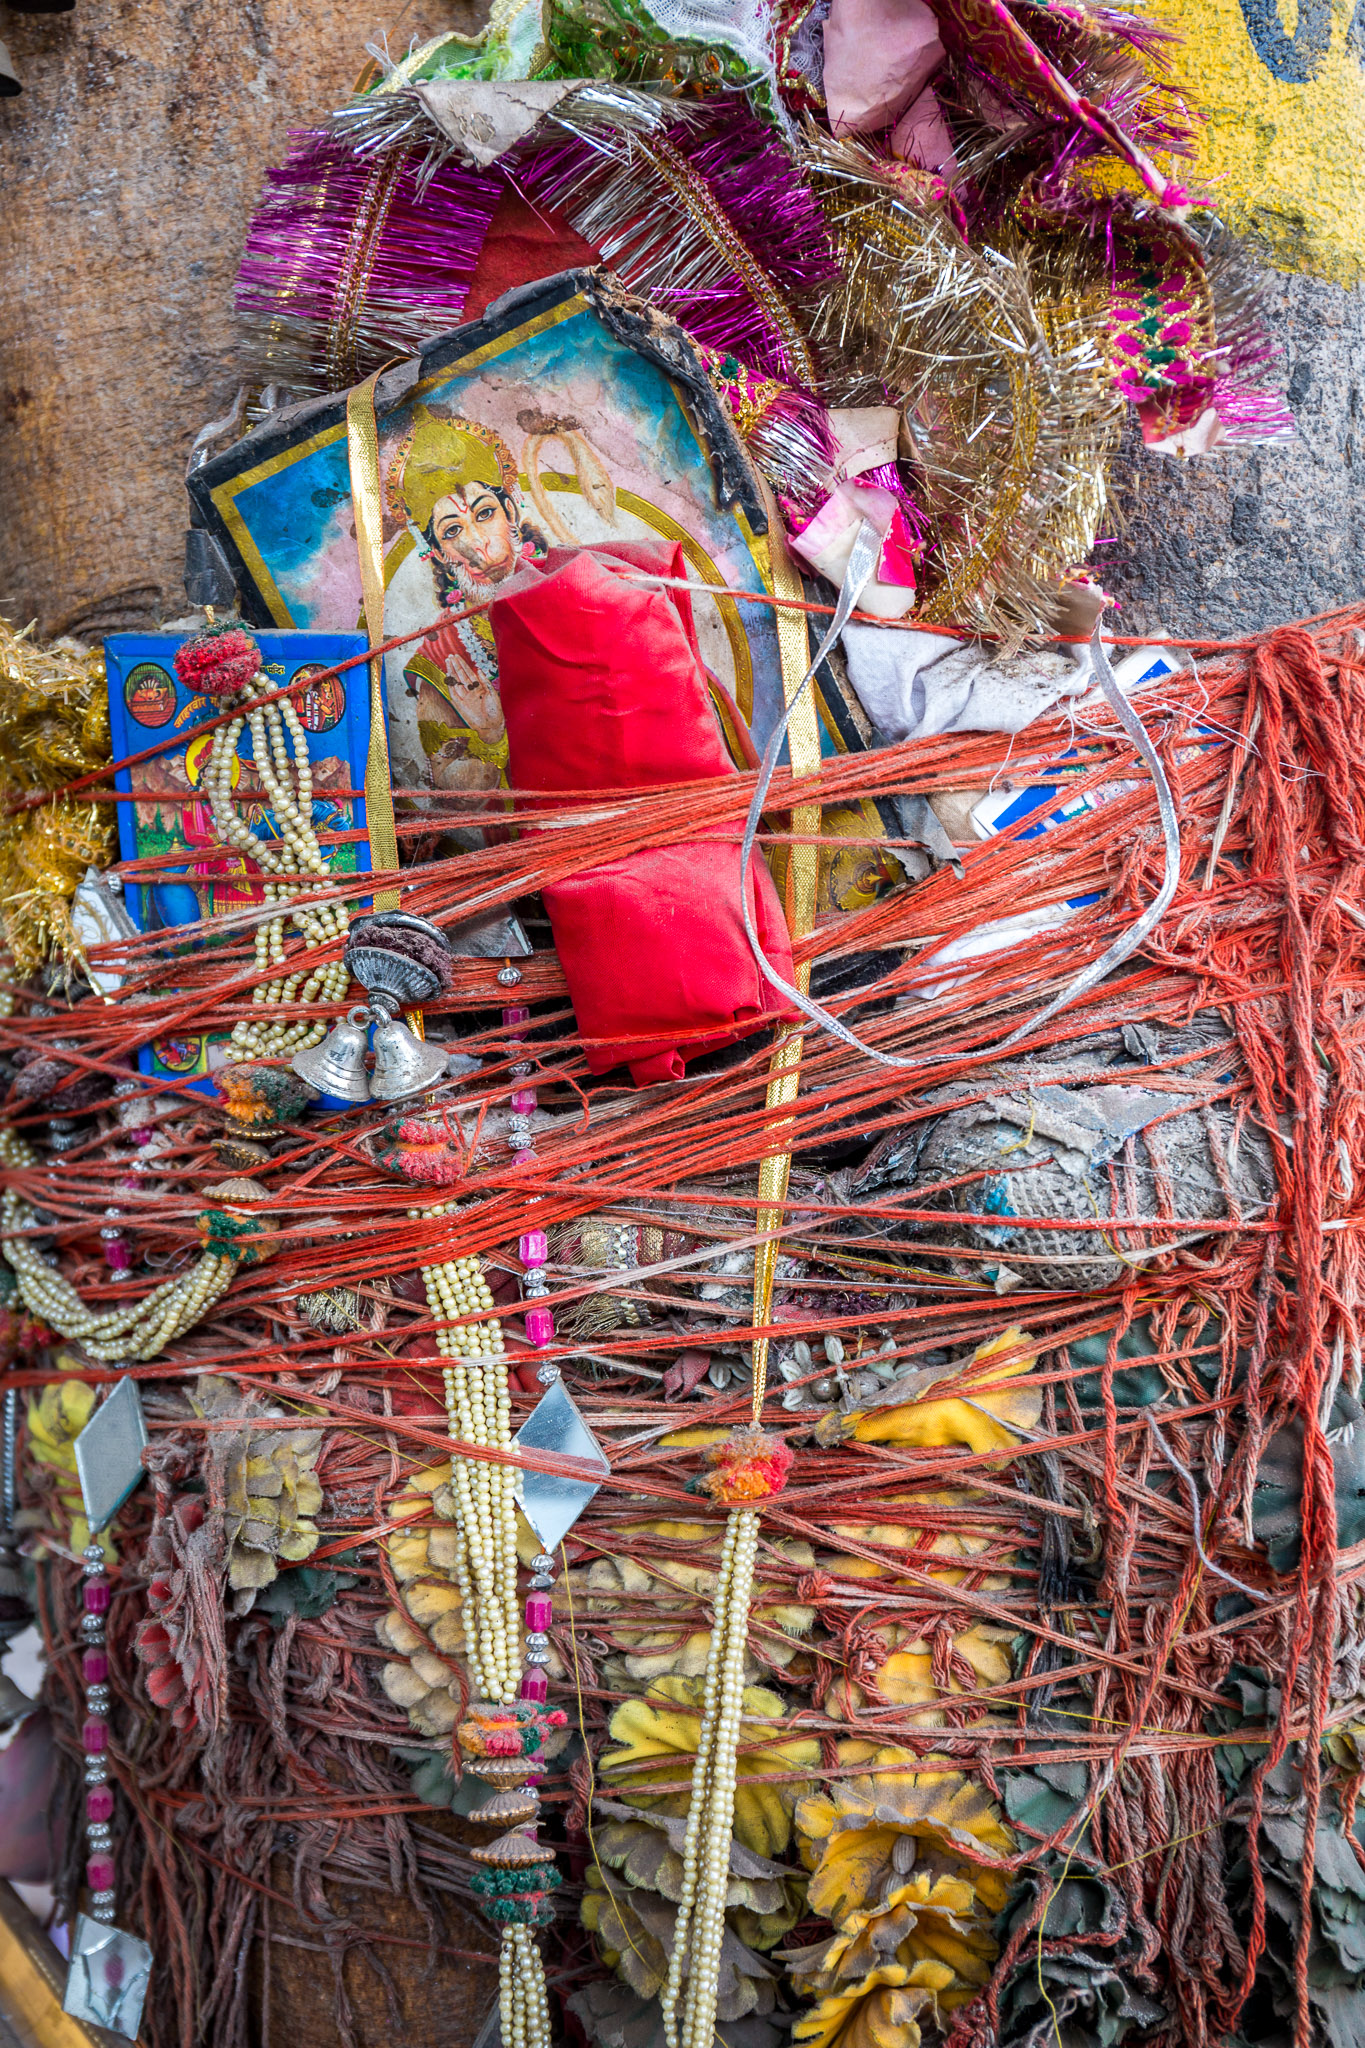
{"x": 218, "y": 662}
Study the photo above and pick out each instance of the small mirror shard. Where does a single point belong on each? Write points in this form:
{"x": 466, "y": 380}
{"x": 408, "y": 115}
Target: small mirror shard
{"x": 550, "y": 1504}
{"x": 106, "y": 1981}
{"x": 109, "y": 1454}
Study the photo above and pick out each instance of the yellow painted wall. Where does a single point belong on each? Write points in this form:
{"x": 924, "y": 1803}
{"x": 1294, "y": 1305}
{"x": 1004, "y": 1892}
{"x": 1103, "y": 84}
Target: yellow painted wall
{"x": 1282, "y": 86}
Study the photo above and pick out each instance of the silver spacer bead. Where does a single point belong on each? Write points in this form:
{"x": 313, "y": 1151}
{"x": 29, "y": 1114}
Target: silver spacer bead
{"x": 97, "y": 1699}
{"x": 542, "y": 1562}
{"x": 92, "y": 1625}
{"x": 509, "y": 976}
{"x": 519, "y": 1134}
{"x": 534, "y": 1282}
{"x": 541, "y": 1582}
{"x": 537, "y": 1656}
{"x": 99, "y": 1834}
{"x": 548, "y": 1374}
{"x": 536, "y": 1639}
{"x": 96, "y": 1770}
{"x": 94, "y": 1559}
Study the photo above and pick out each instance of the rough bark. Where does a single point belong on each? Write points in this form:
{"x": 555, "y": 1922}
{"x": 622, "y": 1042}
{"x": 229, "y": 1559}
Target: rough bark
{"x": 133, "y": 158}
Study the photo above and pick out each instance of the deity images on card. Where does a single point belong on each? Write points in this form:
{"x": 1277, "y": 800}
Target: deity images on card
{"x": 171, "y": 813}
{"x": 566, "y": 417}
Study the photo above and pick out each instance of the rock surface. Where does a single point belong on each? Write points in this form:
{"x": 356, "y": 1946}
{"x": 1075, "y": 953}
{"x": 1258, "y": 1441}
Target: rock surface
{"x": 1224, "y": 544}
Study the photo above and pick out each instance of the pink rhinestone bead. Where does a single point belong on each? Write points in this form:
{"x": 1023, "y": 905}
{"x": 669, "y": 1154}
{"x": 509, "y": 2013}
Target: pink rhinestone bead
{"x": 523, "y": 1101}
{"x": 95, "y": 1737}
{"x": 99, "y": 1873}
{"x": 99, "y": 1804}
{"x": 533, "y": 1248}
{"x": 535, "y": 1684}
{"x": 538, "y": 1610}
{"x": 97, "y": 1596}
{"x": 540, "y": 1326}
{"x": 94, "y": 1667}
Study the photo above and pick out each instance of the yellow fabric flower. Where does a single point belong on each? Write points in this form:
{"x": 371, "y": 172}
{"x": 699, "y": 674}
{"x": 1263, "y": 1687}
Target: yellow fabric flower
{"x": 658, "y": 1737}
{"x": 882, "y": 2012}
{"x": 886, "y": 1868}
{"x": 56, "y": 1416}
{"x": 977, "y": 1420}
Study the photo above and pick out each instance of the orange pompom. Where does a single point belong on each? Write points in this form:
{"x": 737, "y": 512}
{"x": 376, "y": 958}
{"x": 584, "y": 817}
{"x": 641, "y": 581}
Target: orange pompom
{"x": 750, "y": 1465}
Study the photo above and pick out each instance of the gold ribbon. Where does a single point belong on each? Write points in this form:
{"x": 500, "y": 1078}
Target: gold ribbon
{"x": 784, "y": 1073}
{"x": 362, "y": 448}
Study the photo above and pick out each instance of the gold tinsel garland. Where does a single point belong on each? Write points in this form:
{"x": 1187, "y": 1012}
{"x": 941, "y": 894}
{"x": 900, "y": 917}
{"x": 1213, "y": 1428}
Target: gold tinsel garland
{"x": 54, "y": 728}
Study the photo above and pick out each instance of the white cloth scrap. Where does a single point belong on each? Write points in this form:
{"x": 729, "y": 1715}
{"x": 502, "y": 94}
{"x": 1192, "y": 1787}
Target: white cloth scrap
{"x": 916, "y": 685}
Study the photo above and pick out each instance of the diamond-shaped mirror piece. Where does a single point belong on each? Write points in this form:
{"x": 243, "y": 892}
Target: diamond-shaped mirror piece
{"x": 550, "y": 1504}
{"x": 109, "y": 1454}
{"x": 106, "y": 1981}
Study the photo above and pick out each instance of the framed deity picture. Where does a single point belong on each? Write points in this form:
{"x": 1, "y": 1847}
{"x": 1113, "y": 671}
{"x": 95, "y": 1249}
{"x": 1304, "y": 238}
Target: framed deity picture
{"x": 570, "y": 414}
{"x": 171, "y": 815}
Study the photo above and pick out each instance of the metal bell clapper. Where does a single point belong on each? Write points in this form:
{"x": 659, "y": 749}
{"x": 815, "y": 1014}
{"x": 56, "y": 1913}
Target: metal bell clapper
{"x": 336, "y": 1068}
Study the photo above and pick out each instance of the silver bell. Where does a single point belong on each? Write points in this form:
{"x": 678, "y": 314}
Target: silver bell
{"x": 337, "y": 1066}
{"x": 403, "y": 1065}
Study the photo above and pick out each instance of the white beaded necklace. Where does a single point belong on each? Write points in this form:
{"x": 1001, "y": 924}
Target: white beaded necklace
{"x": 139, "y": 1330}
{"x": 479, "y": 1408}
{"x": 288, "y": 783}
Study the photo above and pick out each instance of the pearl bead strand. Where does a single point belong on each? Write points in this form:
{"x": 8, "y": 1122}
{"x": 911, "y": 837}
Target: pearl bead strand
{"x": 479, "y": 1408}
{"x": 700, "y": 1927}
{"x": 288, "y": 783}
{"x": 141, "y": 1329}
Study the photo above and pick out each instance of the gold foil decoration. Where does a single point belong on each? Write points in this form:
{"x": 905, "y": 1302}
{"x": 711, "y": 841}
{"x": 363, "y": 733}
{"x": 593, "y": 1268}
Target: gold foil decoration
{"x": 54, "y": 729}
{"x": 1010, "y": 417}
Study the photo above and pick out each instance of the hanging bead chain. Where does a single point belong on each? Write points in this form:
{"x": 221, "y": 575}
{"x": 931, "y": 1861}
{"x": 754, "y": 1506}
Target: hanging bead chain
{"x": 534, "y": 1251}
{"x": 694, "y": 1966}
{"x": 524, "y": 2003}
{"x": 288, "y": 784}
{"x": 479, "y": 1408}
{"x": 99, "y": 1796}
{"x": 138, "y": 1330}
{"x": 700, "y": 1926}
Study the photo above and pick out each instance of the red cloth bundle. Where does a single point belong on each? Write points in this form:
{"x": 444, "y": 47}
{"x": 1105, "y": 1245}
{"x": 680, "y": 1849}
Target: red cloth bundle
{"x": 603, "y": 687}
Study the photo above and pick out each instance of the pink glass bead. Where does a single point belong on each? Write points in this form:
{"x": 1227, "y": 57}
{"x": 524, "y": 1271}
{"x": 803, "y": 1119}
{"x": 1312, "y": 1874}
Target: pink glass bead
{"x": 95, "y": 1737}
{"x": 99, "y": 1804}
{"x": 538, "y": 1610}
{"x": 516, "y": 1013}
{"x": 97, "y": 1596}
{"x": 540, "y": 1326}
{"x": 117, "y": 1256}
{"x": 523, "y": 1101}
{"x": 533, "y": 1248}
{"x": 99, "y": 1873}
{"x": 94, "y": 1667}
{"x": 535, "y": 1684}
{"x": 519, "y": 1157}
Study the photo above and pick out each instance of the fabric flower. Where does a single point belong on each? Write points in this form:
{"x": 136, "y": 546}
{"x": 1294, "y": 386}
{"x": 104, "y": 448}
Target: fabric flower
{"x": 659, "y": 1734}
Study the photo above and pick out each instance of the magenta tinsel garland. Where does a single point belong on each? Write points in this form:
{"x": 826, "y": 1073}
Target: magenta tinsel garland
{"x": 344, "y": 266}
{"x": 673, "y": 252}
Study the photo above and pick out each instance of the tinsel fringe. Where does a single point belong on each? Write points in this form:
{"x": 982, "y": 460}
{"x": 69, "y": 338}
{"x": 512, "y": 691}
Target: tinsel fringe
{"x": 711, "y": 221}
{"x": 1007, "y": 400}
{"x": 350, "y": 261}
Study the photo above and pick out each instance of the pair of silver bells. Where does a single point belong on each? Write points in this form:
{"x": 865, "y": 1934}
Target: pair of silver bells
{"x": 394, "y": 981}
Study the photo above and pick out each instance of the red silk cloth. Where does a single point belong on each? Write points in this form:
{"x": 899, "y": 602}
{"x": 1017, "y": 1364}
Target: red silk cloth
{"x": 603, "y": 687}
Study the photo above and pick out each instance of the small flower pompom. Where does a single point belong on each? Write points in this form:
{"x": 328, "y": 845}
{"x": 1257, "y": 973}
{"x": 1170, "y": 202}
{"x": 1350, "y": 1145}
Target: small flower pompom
{"x": 218, "y": 662}
{"x": 750, "y": 1465}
